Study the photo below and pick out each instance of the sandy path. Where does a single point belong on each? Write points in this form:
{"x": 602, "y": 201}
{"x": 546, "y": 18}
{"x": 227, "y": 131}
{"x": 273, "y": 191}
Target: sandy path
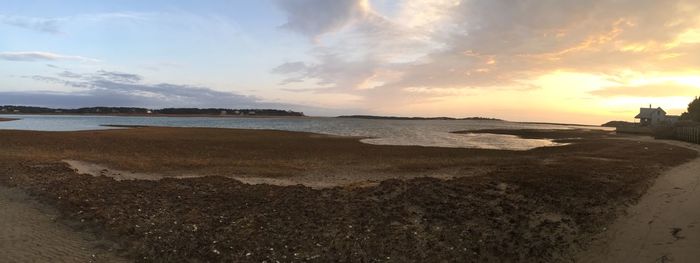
{"x": 28, "y": 233}
{"x": 664, "y": 226}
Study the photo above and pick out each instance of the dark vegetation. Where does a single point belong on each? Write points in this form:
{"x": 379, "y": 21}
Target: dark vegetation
{"x": 144, "y": 111}
{"x": 535, "y": 205}
{"x": 693, "y": 113}
{"x": 690, "y": 118}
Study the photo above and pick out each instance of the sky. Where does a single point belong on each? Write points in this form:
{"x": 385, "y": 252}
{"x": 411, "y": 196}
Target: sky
{"x": 566, "y": 61}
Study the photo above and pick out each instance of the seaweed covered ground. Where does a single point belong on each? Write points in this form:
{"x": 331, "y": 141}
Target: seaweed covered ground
{"x": 539, "y": 205}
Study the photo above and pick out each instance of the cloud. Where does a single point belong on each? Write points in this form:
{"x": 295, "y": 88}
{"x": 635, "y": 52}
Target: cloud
{"x": 110, "y": 88}
{"x": 490, "y": 44}
{"x": 316, "y": 17}
{"x": 53, "y": 25}
{"x": 45, "y": 25}
{"x": 119, "y": 76}
{"x": 290, "y": 67}
{"x": 654, "y": 90}
{"x": 68, "y": 74}
{"x": 41, "y": 56}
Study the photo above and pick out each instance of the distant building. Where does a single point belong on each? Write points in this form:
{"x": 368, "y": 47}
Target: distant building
{"x": 655, "y": 116}
{"x": 223, "y": 112}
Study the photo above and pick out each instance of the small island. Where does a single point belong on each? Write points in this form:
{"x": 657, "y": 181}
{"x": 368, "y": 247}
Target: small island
{"x": 615, "y": 124}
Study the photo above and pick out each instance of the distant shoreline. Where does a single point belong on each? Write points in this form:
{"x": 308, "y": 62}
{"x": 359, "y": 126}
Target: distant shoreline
{"x": 372, "y": 117}
{"x": 249, "y": 116}
{"x": 136, "y": 111}
{"x": 8, "y": 119}
{"x": 560, "y": 124}
{"x": 154, "y": 115}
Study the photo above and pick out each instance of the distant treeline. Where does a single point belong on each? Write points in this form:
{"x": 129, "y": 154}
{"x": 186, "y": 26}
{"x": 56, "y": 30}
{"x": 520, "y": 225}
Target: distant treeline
{"x": 134, "y": 110}
{"x": 415, "y": 118}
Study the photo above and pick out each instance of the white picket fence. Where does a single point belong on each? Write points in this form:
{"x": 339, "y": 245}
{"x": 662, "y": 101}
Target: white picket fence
{"x": 688, "y": 134}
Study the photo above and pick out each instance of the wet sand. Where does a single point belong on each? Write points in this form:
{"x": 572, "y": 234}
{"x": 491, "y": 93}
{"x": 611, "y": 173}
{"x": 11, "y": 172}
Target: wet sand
{"x": 664, "y": 226}
{"x": 29, "y": 233}
{"x": 313, "y": 180}
{"x": 7, "y": 119}
{"x": 515, "y": 206}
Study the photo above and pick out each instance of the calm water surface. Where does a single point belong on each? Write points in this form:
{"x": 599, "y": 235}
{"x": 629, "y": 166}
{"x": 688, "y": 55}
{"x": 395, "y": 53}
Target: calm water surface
{"x": 388, "y": 132}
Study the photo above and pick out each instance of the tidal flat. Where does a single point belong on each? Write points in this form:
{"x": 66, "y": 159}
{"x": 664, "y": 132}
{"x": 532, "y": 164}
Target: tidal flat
{"x": 375, "y": 203}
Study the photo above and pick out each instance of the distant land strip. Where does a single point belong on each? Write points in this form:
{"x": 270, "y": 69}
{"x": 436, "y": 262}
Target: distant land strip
{"x": 10, "y": 109}
{"x": 415, "y": 118}
{"x": 7, "y": 119}
{"x": 561, "y": 124}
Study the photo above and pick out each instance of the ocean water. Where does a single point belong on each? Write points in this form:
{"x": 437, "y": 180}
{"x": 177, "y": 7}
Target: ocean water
{"x": 387, "y": 132}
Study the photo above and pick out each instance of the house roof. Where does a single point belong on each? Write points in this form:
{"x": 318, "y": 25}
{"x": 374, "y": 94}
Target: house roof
{"x": 646, "y": 113}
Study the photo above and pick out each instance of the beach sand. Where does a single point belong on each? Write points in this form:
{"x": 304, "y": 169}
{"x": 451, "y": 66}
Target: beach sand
{"x": 543, "y": 204}
{"x": 29, "y": 233}
{"x": 664, "y": 226}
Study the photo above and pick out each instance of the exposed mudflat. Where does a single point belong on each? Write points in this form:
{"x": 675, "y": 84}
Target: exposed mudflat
{"x": 542, "y": 205}
{"x": 7, "y": 119}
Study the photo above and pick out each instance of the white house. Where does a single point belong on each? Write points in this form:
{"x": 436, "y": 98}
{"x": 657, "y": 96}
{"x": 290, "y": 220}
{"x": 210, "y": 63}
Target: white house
{"x": 655, "y": 116}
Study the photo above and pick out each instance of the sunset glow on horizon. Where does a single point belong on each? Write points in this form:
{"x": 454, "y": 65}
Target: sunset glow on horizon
{"x": 551, "y": 61}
